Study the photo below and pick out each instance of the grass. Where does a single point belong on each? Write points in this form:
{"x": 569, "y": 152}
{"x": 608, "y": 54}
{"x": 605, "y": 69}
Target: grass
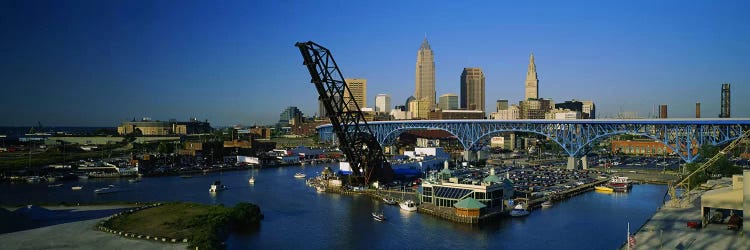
{"x": 205, "y": 226}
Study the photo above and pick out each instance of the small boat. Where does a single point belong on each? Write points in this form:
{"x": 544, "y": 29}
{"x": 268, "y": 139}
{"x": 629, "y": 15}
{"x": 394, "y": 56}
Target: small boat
{"x": 54, "y": 185}
{"x": 547, "y": 204}
{"x": 251, "y": 180}
{"x": 320, "y": 189}
{"x": 134, "y": 180}
{"x": 76, "y": 187}
{"x": 300, "y": 175}
{"x": 408, "y": 205}
{"x": 603, "y": 188}
{"x": 107, "y": 190}
{"x": 217, "y": 187}
{"x": 378, "y": 216}
{"x": 519, "y": 211}
{"x": 83, "y": 177}
{"x": 389, "y": 201}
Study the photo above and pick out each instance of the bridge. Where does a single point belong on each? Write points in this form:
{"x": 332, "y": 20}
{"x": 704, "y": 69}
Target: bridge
{"x": 682, "y": 136}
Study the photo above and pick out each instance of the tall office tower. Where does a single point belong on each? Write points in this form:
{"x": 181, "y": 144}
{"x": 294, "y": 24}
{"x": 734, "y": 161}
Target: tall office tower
{"x": 697, "y": 110}
{"x": 383, "y": 103}
{"x": 501, "y": 105}
{"x": 663, "y": 111}
{"x": 358, "y": 87}
{"x": 289, "y": 115}
{"x": 725, "y": 101}
{"x": 448, "y": 102}
{"x": 472, "y": 89}
{"x": 589, "y": 110}
{"x": 532, "y": 82}
{"x": 425, "y": 78}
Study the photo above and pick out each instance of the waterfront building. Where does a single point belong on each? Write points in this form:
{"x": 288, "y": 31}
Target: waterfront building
{"x": 472, "y": 89}
{"x": 644, "y": 147}
{"x": 532, "y": 81}
{"x": 172, "y": 127}
{"x": 425, "y": 74}
{"x": 448, "y": 102}
{"x": 728, "y": 201}
{"x": 383, "y": 103}
{"x": 444, "y": 190}
{"x": 358, "y": 89}
{"x": 456, "y": 114}
{"x": 420, "y": 109}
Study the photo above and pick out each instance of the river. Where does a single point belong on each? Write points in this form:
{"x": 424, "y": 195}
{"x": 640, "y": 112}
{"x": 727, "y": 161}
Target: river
{"x": 296, "y": 216}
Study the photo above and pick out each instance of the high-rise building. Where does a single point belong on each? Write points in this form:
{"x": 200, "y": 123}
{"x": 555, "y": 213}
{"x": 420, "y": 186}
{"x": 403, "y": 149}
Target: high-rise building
{"x": 663, "y": 111}
{"x": 510, "y": 113}
{"x": 472, "y": 89}
{"x": 420, "y": 109}
{"x": 532, "y": 82}
{"x": 383, "y": 103}
{"x": 725, "y": 101}
{"x": 289, "y": 115}
{"x": 358, "y": 88}
{"x": 589, "y": 110}
{"x": 408, "y": 100}
{"x": 501, "y": 105}
{"x": 535, "y": 108}
{"x": 425, "y": 77}
{"x": 448, "y": 102}
{"x": 586, "y": 108}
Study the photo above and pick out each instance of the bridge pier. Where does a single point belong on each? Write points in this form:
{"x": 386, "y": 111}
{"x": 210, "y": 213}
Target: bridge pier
{"x": 578, "y": 162}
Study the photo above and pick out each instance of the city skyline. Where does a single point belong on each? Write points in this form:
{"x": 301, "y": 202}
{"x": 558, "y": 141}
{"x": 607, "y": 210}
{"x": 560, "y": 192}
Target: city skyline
{"x": 101, "y": 63}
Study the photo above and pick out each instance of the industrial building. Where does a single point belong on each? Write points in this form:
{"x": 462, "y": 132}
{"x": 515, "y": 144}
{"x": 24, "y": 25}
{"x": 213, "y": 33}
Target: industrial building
{"x": 159, "y": 128}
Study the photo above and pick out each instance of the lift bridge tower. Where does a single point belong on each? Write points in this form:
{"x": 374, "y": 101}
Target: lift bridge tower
{"x": 356, "y": 139}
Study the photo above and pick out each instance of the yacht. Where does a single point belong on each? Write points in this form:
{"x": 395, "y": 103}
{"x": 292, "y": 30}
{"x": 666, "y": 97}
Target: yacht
{"x": 300, "y": 175}
{"x": 107, "y": 190}
{"x": 519, "y": 211}
{"x": 76, "y": 187}
{"x": 134, "y": 180}
{"x": 547, "y": 204}
{"x": 378, "y": 216}
{"x": 320, "y": 189}
{"x": 251, "y": 180}
{"x": 217, "y": 187}
{"x": 389, "y": 201}
{"x": 408, "y": 205}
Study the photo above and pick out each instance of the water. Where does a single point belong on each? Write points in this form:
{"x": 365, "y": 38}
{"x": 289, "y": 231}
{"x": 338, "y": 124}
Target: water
{"x": 296, "y": 216}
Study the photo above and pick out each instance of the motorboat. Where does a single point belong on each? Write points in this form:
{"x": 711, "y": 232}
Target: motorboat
{"x": 603, "y": 188}
{"x": 55, "y": 185}
{"x": 300, "y": 175}
{"x": 519, "y": 211}
{"x": 389, "y": 201}
{"x": 620, "y": 184}
{"x": 76, "y": 187}
{"x": 320, "y": 189}
{"x": 408, "y": 205}
{"x": 547, "y": 204}
{"x": 251, "y": 180}
{"x": 217, "y": 187}
{"x": 134, "y": 180}
{"x": 378, "y": 216}
{"x": 107, "y": 190}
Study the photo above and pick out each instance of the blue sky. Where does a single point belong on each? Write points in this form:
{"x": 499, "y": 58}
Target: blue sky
{"x": 97, "y": 63}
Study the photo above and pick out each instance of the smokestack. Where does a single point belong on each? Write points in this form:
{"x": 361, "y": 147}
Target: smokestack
{"x": 663, "y": 111}
{"x": 697, "y": 110}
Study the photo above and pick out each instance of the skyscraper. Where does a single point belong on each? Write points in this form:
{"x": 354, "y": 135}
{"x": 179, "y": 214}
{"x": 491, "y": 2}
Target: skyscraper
{"x": 472, "y": 89}
{"x": 532, "y": 82}
{"x": 383, "y": 103}
{"x": 425, "y": 77}
{"x": 448, "y": 102}
{"x": 358, "y": 87}
{"x": 501, "y": 105}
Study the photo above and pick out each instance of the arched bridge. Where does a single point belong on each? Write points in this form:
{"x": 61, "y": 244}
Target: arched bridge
{"x": 682, "y": 136}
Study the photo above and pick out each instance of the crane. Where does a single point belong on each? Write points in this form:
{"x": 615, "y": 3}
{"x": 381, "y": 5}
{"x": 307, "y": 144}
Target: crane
{"x": 684, "y": 184}
{"x": 356, "y": 139}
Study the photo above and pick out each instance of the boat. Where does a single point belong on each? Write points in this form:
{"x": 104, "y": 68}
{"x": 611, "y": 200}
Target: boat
{"x": 300, "y": 175}
{"x": 185, "y": 176}
{"x": 251, "y": 180}
{"x": 378, "y": 216}
{"x": 54, "y": 185}
{"x": 76, "y": 187}
{"x": 320, "y": 189}
{"x": 389, "y": 201}
{"x": 603, "y": 188}
{"x": 519, "y": 211}
{"x": 547, "y": 204}
{"x": 620, "y": 184}
{"x": 408, "y": 205}
{"x": 107, "y": 190}
{"x": 134, "y": 180}
{"x": 217, "y": 187}
{"x": 83, "y": 177}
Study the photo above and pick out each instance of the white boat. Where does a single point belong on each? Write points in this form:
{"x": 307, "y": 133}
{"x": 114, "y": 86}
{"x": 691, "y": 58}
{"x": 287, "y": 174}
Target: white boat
{"x": 300, "y": 175}
{"x": 54, "y": 185}
{"x": 320, "y": 189}
{"x": 389, "y": 201}
{"x": 408, "y": 205}
{"x": 251, "y": 180}
{"x": 76, "y": 187}
{"x": 217, "y": 187}
{"x": 378, "y": 216}
{"x": 83, "y": 177}
{"x": 134, "y": 180}
{"x": 547, "y": 204}
{"x": 519, "y": 211}
{"x": 107, "y": 190}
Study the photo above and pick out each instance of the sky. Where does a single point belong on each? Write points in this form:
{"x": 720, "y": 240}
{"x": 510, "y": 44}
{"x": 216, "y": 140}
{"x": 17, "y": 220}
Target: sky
{"x": 98, "y": 63}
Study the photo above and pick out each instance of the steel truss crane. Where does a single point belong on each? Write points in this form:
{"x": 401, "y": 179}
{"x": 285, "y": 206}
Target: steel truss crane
{"x": 356, "y": 139}
{"x": 676, "y": 201}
